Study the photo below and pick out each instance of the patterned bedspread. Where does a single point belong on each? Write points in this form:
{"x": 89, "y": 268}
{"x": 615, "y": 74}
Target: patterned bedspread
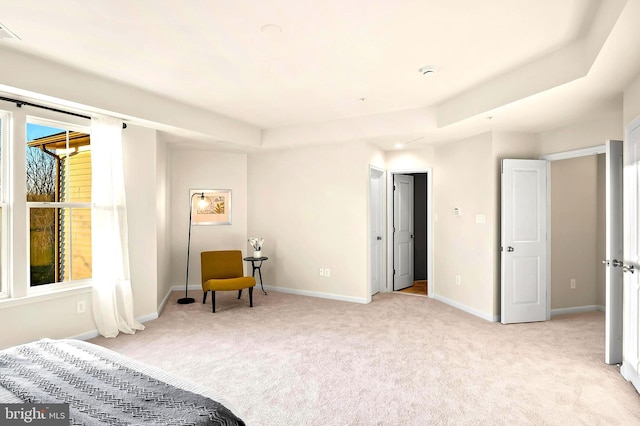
{"x": 100, "y": 389}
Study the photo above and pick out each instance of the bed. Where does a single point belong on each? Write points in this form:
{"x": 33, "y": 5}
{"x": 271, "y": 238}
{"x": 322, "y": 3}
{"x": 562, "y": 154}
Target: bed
{"x": 104, "y": 387}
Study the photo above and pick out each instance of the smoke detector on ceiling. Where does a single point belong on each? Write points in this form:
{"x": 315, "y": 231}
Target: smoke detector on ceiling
{"x": 6, "y": 33}
{"x": 428, "y": 70}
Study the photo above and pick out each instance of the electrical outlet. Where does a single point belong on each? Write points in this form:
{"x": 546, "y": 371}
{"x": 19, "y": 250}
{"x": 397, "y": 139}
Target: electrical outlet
{"x": 321, "y": 272}
{"x": 458, "y": 279}
{"x": 80, "y": 307}
{"x": 573, "y": 283}
{"x": 327, "y": 272}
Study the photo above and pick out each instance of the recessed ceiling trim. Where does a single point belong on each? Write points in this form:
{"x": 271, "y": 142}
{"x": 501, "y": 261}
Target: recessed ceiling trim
{"x": 7, "y": 34}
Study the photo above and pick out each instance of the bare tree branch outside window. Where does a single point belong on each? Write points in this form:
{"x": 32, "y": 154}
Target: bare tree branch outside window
{"x": 41, "y": 175}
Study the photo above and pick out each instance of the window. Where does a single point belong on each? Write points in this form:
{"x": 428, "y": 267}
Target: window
{"x": 58, "y": 191}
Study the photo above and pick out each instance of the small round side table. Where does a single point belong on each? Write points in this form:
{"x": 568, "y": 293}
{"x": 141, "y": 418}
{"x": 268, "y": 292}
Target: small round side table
{"x": 255, "y": 266}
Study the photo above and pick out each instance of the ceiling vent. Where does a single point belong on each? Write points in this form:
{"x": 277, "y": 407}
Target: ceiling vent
{"x": 6, "y": 33}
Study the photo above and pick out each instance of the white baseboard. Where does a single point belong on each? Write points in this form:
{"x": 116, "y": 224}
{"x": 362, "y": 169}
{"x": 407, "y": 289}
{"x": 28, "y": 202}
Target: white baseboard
{"x": 94, "y": 333}
{"x": 86, "y": 336}
{"x": 286, "y": 290}
{"x": 467, "y": 309}
{"x": 171, "y": 290}
{"x": 319, "y": 294}
{"x": 577, "y": 309}
{"x": 630, "y": 375}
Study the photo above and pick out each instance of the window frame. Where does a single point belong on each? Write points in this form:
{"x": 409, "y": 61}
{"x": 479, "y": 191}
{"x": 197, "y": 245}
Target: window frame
{"x": 60, "y": 285}
{"x": 5, "y": 180}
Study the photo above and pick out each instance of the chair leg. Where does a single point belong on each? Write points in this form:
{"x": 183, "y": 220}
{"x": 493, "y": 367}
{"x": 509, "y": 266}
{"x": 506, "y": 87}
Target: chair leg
{"x": 204, "y": 298}
{"x": 251, "y": 297}
{"x": 213, "y": 302}
{"x": 239, "y": 293}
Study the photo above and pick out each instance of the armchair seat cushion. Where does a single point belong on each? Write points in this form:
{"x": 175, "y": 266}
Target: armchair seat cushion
{"x": 226, "y": 284}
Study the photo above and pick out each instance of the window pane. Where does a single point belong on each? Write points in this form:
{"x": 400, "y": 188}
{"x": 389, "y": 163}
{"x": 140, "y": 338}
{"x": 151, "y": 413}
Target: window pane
{"x": 77, "y": 256}
{"x": 42, "y": 164}
{"x": 60, "y": 244}
{"x": 42, "y": 242}
{"x": 58, "y": 164}
{"x": 78, "y": 176}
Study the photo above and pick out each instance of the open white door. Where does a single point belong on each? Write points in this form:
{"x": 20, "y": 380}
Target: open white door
{"x": 631, "y": 292}
{"x": 402, "y": 231}
{"x": 376, "y": 227}
{"x": 614, "y": 254}
{"x": 524, "y": 241}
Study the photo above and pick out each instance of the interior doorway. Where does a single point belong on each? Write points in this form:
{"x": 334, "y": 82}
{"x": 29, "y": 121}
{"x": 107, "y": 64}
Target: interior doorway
{"x": 613, "y": 241}
{"x": 577, "y": 189}
{"x": 419, "y": 273}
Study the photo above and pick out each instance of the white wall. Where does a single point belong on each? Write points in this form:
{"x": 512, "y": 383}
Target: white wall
{"x": 310, "y": 205}
{"x": 464, "y": 178}
{"x": 584, "y": 134}
{"x": 201, "y": 169}
{"x": 631, "y": 101}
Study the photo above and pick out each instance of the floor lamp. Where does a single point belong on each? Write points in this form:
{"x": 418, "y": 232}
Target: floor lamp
{"x": 186, "y": 300}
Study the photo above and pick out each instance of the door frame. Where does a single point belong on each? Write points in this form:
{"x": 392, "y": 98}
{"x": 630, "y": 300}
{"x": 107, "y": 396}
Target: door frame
{"x": 429, "y": 172}
{"x": 373, "y": 170}
{"x": 565, "y": 155}
{"x": 630, "y": 358}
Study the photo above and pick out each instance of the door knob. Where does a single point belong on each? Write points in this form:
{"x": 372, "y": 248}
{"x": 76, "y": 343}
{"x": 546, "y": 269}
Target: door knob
{"x": 510, "y": 249}
{"x": 378, "y": 238}
{"x": 617, "y": 263}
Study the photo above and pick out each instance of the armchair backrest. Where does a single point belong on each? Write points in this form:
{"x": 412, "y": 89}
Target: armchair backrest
{"x": 221, "y": 264}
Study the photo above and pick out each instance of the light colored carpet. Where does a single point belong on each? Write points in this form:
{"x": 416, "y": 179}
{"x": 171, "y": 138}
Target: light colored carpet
{"x": 400, "y": 360}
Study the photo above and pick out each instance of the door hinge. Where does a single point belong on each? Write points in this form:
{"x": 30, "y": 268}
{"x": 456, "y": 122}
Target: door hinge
{"x": 394, "y": 272}
{"x": 394, "y": 187}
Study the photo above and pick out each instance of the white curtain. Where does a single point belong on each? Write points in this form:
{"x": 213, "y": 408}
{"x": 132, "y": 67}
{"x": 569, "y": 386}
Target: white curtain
{"x": 112, "y": 295}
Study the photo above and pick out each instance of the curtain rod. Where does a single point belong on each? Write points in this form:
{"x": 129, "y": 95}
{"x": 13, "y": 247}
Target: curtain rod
{"x": 19, "y": 104}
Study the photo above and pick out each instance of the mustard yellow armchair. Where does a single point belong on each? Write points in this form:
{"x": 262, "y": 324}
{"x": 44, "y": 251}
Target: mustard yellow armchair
{"x": 222, "y": 271}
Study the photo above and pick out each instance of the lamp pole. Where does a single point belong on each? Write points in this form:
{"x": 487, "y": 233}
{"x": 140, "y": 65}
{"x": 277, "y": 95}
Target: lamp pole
{"x": 186, "y": 300}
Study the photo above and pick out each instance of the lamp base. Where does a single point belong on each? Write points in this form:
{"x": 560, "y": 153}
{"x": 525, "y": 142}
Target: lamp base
{"x": 186, "y": 300}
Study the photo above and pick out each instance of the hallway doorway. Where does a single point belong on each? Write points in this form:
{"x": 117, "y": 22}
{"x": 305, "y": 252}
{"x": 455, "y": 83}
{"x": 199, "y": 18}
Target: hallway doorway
{"x": 419, "y": 273}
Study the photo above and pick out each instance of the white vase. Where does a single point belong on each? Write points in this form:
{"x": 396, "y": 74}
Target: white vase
{"x": 257, "y": 253}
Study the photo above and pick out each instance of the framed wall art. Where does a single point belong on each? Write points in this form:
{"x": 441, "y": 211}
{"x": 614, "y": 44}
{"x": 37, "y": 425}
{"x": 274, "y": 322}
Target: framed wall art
{"x": 210, "y": 206}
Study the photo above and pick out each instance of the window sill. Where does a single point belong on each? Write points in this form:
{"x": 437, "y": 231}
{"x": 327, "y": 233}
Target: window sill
{"x": 41, "y": 295}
